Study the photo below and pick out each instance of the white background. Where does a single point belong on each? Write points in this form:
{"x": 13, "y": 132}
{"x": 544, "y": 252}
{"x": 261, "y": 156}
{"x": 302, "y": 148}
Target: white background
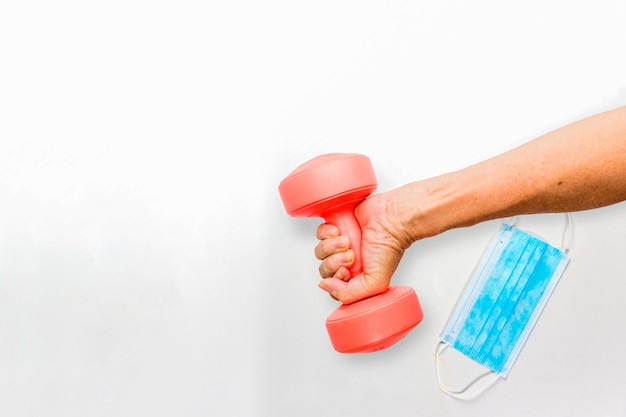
{"x": 147, "y": 266}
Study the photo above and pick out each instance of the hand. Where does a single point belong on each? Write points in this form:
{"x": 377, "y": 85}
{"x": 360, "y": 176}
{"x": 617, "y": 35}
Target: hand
{"x": 381, "y": 251}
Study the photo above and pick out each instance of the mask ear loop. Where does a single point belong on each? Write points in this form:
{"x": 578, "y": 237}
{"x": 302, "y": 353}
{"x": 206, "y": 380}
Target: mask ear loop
{"x": 568, "y": 231}
{"x": 461, "y": 394}
{"x": 511, "y": 220}
{"x": 566, "y": 239}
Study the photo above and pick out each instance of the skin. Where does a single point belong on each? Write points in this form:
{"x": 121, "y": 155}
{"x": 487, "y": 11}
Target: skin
{"x": 580, "y": 166}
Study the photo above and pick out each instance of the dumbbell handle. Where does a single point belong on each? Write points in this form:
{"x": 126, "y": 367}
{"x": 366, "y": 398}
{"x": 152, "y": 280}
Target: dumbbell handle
{"x": 343, "y": 218}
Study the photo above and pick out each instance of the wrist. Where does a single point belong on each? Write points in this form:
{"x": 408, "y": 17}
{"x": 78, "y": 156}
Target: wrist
{"x": 430, "y": 207}
{"x": 423, "y": 207}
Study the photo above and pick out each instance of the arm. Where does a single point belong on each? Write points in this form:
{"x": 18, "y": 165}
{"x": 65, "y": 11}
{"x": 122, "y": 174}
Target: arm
{"x": 577, "y": 167}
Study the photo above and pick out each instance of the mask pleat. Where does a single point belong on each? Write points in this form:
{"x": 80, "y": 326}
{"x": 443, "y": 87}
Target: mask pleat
{"x": 509, "y": 297}
{"x": 496, "y": 290}
{"x": 516, "y": 308}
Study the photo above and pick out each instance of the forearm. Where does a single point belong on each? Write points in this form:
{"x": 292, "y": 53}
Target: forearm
{"x": 577, "y": 167}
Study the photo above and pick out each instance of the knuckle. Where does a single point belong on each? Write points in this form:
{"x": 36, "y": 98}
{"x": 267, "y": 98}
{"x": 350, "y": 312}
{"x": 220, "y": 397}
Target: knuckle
{"x": 323, "y": 271}
{"x": 319, "y": 252}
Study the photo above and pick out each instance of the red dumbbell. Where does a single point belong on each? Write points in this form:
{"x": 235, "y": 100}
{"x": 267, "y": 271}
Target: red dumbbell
{"x": 330, "y": 186}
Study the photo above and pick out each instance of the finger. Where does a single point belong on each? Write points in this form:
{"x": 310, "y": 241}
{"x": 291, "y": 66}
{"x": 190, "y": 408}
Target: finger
{"x": 326, "y": 231}
{"x": 353, "y": 290}
{"x": 343, "y": 273}
{"x": 332, "y": 264}
{"x": 331, "y": 246}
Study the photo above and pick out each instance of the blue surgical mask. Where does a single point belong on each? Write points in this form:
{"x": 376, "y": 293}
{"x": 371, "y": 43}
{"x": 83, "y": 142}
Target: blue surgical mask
{"x": 503, "y": 300}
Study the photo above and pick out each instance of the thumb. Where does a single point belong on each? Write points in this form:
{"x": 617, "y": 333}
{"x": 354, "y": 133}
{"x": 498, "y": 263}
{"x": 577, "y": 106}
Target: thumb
{"x": 355, "y": 289}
